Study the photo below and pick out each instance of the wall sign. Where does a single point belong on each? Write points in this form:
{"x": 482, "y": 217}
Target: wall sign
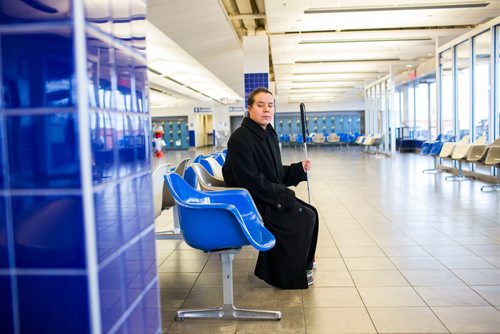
{"x": 203, "y": 109}
{"x": 236, "y": 109}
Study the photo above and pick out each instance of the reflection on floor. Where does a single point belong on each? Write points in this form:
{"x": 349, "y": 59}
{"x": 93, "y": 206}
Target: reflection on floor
{"x": 399, "y": 252}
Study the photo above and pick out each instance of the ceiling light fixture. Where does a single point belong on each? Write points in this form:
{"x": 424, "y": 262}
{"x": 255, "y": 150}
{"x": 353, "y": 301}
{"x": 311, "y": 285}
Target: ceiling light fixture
{"x": 365, "y": 40}
{"x": 334, "y": 73}
{"x": 451, "y": 5}
{"x": 324, "y": 81}
{"x": 323, "y": 61}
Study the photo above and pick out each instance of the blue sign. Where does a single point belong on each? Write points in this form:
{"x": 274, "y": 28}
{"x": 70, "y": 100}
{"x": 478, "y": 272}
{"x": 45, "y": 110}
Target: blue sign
{"x": 236, "y": 109}
{"x": 203, "y": 109}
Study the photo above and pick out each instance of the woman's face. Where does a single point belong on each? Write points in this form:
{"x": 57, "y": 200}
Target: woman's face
{"x": 262, "y": 109}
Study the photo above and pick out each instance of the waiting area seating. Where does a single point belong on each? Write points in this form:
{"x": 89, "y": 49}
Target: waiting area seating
{"x": 461, "y": 152}
{"x": 234, "y": 222}
{"x": 493, "y": 160}
{"x": 207, "y": 181}
{"x": 205, "y": 173}
{"x": 435, "y": 148}
{"x": 167, "y": 201}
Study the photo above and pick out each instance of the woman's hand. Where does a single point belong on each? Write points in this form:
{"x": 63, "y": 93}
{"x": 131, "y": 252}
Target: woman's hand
{"x": 306, "y": 164}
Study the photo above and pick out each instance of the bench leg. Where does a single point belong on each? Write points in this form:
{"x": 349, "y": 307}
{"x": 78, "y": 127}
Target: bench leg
{"x": 493, "y": 187}
{"x": 460, "y": 176}
{"x": 228, "y": 311}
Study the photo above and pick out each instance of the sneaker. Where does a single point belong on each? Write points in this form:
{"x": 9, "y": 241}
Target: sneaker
{"x": 310, "y": 277}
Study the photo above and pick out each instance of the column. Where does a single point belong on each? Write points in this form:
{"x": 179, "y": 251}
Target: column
{"x": 77, "y": 244}
{"x": 255, "y": 63}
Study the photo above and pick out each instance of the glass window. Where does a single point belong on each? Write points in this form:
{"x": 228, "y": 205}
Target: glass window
{"x": 433, "y": 114}
{"x": 397, "y": 108}
{"x": 422, "y": 111}
{"x": 497, "y": 131}
{"x": 445, "y": 62}
{"x": 463, "y": 88}
{"x": 410, "y": 116}
{"x": 482, "y": 56}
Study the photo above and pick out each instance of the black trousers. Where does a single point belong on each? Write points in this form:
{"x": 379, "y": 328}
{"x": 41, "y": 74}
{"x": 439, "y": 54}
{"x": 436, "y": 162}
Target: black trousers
{"x": 312, "y": 236}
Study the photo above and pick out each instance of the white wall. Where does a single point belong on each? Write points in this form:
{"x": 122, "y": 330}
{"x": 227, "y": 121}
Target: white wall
{"x": 185, "y": 107}
{"x": 221, "y": 114}
{"x": 346, "y": 105}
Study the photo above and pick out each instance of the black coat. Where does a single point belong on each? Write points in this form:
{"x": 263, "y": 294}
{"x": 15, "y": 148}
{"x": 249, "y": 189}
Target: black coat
{"x": 253, "y": 162}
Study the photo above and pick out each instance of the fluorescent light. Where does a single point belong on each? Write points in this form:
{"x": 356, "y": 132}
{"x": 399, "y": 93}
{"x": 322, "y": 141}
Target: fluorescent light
{"x": 325, "y": 81}
{"x": 319, "y": 89}
{"x": 323, "y": 61}
{"x": 451, "y": 5}
{"x": 366, "y": 40}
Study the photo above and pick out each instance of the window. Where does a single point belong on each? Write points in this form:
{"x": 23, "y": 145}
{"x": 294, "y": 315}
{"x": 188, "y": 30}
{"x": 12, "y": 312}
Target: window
{"x": 464, "y": 114}
{"x": 482, "y": 56}
{"x": 446, "y": 74}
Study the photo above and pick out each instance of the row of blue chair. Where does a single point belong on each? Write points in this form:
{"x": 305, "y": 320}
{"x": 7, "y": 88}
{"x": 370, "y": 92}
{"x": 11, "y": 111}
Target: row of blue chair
{"x": 478, "y": 153}
{"x": 433, "y": 149}
{"x": 221, "y": 222}
{"x": 329, "y": 138}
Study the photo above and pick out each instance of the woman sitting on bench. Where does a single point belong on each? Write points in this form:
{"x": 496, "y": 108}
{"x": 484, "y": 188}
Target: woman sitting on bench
{"x": 253, "y": 162}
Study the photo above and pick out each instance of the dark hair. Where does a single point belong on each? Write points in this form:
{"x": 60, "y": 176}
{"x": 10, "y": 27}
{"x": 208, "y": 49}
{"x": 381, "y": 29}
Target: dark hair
{"x": 251, "y": 96}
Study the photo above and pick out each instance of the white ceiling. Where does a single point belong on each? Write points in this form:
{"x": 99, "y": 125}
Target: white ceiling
{"x": 203, "y": 30}
{"x": 321, "y": 56}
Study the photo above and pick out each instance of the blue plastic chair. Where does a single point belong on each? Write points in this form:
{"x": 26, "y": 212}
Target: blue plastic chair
{"x": 427, "y": 145}
{"x": 190, "y": 177}
{"x": 434, "y": 150}
{"x": 169, "y": 202}
{"x": 207, "y": 166}
{"x": 222, "y": 222}
{"x": 220, "y": 158}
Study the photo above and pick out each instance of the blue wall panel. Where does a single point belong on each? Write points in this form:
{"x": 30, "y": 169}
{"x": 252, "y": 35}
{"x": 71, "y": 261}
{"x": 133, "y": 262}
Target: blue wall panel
{"x": 7, "y": 316}
{"x": 39, "y": 296}
{"x": 70, "y": 231}
{"x": 254, "y": 80}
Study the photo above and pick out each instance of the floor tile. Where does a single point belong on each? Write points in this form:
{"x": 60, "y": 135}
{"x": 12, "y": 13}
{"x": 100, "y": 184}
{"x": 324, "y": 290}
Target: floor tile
{"x": 331, "y": 297}
{"x": 378, "y": 278}
{"x": 324, "y": 278}
{"x": 182, "y": 266}
{"x": 479, "y": 276}
{"x": 450, "y": 296}
{"x": 338, "y": 321}
{"x": 390, "y": 296}
{"x": 412, "y": 250}
{"x": 418, "y": 262}
{"x": 361, "y": 251}
{"x": 329, "y": 264}
{"x": 177, "y": 280}
{"x": 431, "y": 277}
{"x": 292, "y": 322}
{"x": 405, "y": 320}
{"x": 369, "y": 263}
{"x": 203, "y": 326}
{"x": 469, "y": 319}
{"x": 490, "y": 293}
{"x": 322, "y": 252}
{"x": 464, "y": 262}
{"x": 210, "y": 297}
{"x": 173, "y": 298}
{"x": 271, "y": 298}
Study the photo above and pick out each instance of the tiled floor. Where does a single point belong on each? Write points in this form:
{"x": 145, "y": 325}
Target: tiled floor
{"x": 399, "y": 252}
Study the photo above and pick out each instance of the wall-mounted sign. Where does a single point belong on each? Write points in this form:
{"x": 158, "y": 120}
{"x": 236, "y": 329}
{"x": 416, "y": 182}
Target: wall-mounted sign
{"x": 203, "y": 109}
{"x": 236, "y": 109}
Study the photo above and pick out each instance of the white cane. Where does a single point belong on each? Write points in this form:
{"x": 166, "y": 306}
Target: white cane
{"x": 303, "y": 120}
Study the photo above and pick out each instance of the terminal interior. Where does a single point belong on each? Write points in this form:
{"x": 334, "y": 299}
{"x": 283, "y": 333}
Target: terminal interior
{"x": 108, "y": 104}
